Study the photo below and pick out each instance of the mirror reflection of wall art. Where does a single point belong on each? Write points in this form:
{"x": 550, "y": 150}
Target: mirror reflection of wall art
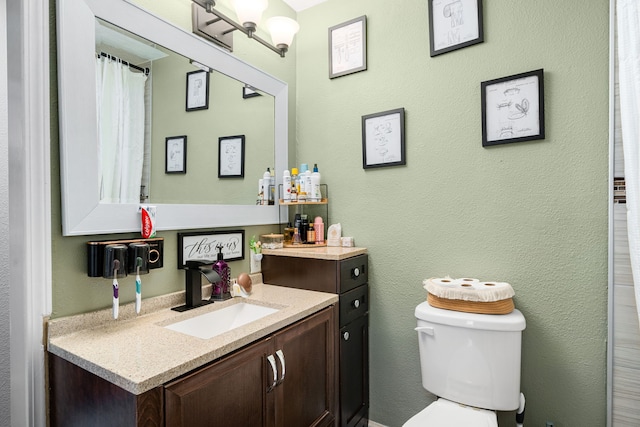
{"x": 176, "y": 154}
{"x": 454, "y": 24}
{"x": 383, "y": 139}
{"x": 197, "y": 90}
{"x": 249, "y": 92}
{"x": 348, "y": 47}
{"x": 231, "y": 156}
{"x": 513, "y": 108}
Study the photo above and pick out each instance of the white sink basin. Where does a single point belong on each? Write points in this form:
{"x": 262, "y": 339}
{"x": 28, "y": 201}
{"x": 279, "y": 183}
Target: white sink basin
{"x": 217, "y": 322}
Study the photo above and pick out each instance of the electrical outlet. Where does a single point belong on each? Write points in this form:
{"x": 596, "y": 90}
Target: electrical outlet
{"x": 550, "y": 424}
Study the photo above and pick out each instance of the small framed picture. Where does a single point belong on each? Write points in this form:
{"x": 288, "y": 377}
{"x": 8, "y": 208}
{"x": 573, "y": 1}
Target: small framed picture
{"x": 513, "y": 108}
{"x": 231, "y": 156}
{"x": 197, "y": 90}
{"x": 176, "y": 154}
{"x": 454, "y": 24}
{"x": 249, "y": 92}
{"x": 348, "y": 47}
{"x": 383, "y": 139}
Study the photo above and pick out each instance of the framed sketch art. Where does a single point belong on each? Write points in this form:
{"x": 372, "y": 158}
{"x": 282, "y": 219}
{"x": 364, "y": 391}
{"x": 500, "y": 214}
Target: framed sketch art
{"x": 176, "y": 154}
{"x": 197, "y": 90}
{"x": 231, "y": 156}
{"x": 513, "y": 108}
{"x": 454, "y": 24}
{"x": 383, "y": 139}
{"x": 348, "y": 47}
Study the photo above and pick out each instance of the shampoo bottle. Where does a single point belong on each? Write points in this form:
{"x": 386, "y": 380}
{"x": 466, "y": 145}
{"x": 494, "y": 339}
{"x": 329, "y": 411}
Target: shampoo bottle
{"x": 316, "y": 195}
{"x": 286, "y": 186}
{"x": 266, "y": 186}
{"x": 221, "y": 287}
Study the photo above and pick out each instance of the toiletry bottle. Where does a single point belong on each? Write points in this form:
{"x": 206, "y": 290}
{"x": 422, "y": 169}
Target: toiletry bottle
{"x": 304, "y": 227}
{"x": 307, "y": 184}
{"x": 316, "y": 195}
{"x": 260, "y": 192}
{"x": 221, "y": 287}
{"x": 318, "y": 225}
{"x": 266, "y": 186}
{"x": 304, "y": 168}
{"x": 286, "y": 186}
{"x": 311, "y": 234}
{"x": 294, "y": 184}
{"x": 272, "y": 188}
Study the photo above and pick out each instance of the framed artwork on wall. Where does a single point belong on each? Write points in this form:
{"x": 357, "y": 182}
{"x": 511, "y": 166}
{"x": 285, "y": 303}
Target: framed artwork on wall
{"x": 231, "y": 156}
{"x": 348, "y": 47}
{"x": 176, "y": 154}
{"x": 197, "y": 90}
{"x": 513, "y": 108}
{"x": 383, "y": 139}
{"x": 454, "y": 24}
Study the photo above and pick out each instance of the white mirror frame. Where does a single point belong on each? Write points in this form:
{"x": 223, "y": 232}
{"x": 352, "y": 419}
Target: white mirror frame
{"x": 82, "y": 212}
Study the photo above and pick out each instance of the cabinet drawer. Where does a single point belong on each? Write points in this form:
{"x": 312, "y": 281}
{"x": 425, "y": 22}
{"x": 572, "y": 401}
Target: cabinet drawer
{"x": 353, "y": 304}
{"x": 353, "y": 272}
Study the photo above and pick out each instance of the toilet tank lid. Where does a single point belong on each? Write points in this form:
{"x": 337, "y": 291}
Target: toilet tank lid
{"x": 513, "y": 321}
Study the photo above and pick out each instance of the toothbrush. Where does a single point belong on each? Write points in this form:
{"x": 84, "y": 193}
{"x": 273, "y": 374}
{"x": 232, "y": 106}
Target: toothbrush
{"x": 138, "y": 285}
{"x": 116, "y": 302}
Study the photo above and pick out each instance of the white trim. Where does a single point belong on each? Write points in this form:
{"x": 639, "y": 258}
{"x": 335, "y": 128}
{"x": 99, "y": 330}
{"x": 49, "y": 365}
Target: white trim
{"x": 375, "y": 424}
{"x": 612, "y": 78}
{"x": 30, "y": 206}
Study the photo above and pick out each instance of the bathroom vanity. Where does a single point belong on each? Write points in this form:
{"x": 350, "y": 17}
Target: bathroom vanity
{"x": 343, "y": 271}
{"x": 275, "y": 371}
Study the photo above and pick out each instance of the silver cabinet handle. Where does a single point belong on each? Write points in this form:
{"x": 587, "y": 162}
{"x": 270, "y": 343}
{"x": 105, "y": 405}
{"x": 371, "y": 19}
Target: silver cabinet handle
{"x": 356, "y": 272}
{"x": 346, "y": 336}
{"x": 356, "y": 303}
{"x": 272, "y": 362}
{"x": 280, "y": 355}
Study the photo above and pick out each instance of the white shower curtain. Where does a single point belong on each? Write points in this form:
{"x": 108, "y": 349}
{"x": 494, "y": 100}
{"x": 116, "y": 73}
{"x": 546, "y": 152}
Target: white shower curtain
{"x": 121, "y": 121}
{"x": 628, "y": 22}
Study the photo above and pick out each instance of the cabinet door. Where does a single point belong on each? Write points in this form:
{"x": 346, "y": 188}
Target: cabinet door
{"x": 306, "y": 394}
{"x": 354, "y": 373}
{"x": 229, "y": 393}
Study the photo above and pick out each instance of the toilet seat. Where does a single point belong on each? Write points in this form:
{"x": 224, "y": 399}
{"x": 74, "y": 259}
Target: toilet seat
{"x": 445, "y": 413}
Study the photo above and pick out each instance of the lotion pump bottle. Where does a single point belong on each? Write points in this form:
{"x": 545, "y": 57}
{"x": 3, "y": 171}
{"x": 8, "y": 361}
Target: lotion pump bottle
{"x": 286, "y": 186}
{"x": 220, "y": 289}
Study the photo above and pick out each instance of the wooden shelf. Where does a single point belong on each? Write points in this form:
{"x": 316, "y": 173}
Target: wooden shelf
{"x": 323, "y": 201}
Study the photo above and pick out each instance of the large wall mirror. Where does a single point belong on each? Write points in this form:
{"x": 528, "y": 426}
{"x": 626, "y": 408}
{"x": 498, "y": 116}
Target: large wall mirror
{"x": 198, "y": 198}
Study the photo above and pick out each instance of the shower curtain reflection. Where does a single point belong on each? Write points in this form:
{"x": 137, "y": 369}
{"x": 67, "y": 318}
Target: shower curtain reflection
{"x": 121, "y": 130}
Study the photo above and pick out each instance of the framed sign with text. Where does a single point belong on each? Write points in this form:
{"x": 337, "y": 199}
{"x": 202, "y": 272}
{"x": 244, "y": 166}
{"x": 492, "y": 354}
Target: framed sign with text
{"x": 202, "y": 246}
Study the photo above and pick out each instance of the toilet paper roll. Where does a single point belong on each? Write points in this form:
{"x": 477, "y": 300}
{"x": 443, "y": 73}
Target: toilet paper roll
{"x": 468, "y": 289}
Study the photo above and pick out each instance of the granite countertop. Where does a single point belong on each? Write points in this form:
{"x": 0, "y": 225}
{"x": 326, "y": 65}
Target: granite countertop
{"x": 137, "y": 353}
{"x": 334, "y": 253}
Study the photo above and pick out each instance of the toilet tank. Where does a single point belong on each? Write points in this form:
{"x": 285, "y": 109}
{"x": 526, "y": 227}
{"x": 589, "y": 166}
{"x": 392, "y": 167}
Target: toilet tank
{"x": 469, "y": 358}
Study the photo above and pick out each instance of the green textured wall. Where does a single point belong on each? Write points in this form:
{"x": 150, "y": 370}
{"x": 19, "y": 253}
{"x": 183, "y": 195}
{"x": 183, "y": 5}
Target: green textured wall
{"x": 533, "y": 214}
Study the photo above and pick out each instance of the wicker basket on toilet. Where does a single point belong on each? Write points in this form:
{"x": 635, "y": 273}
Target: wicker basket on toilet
{"x": 470, "y": 295}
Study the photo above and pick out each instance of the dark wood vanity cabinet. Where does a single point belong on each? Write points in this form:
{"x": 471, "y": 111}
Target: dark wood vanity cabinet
{"x": 241, "y": 390}
{"x": 238, "y": 390}
{"x": 348, "y": 278}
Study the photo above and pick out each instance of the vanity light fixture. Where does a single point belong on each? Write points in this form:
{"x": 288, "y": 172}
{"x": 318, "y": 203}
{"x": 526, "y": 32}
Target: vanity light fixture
{"x": 249, "y": 12}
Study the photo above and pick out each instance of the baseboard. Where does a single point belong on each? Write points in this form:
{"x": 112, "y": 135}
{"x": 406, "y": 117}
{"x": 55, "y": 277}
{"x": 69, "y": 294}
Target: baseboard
{"x": 375, "y": 424}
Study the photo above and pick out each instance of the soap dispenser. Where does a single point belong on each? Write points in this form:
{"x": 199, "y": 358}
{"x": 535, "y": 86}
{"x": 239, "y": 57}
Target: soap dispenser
{"x": 220, "y": 290}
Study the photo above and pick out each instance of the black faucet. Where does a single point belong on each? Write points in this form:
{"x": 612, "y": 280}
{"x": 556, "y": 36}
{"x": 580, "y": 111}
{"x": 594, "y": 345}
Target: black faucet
{"x": 193, "y": 284}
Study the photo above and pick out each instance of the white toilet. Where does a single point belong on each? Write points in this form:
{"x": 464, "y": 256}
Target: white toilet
{"x": 471, "y": 362}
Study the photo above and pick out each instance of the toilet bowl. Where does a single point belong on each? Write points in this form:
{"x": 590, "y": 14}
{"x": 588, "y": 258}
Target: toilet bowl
{"x": 471, "y": 362}
{"x": 444, "y": 413}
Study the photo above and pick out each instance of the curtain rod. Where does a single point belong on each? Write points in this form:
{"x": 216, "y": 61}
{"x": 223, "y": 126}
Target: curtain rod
{"x": 135, "y": 67}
